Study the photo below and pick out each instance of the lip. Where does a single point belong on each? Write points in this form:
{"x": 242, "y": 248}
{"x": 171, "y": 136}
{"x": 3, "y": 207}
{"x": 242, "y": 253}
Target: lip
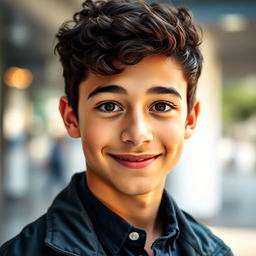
{"x": 135, "y": 161}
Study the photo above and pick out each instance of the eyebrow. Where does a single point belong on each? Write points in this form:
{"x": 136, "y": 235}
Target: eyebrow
{"x": 164, "y": 90}
{"x": 108, "y": 88}
{"x": 118, "y": 89}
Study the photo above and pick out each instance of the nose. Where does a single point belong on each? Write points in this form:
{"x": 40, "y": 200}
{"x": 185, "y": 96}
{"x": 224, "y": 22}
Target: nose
{"x": 136, "y": 131}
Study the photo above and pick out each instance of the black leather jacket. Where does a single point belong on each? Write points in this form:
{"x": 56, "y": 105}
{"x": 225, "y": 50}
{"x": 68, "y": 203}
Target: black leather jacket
{"x": 67, "y": 230}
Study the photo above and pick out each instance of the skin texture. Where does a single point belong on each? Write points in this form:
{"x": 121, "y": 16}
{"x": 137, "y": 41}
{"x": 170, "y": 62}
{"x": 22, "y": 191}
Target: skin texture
{"x": 137, "y": 122}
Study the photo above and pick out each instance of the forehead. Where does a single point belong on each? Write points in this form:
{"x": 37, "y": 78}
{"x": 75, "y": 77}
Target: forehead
{"x": 155, "y": 70}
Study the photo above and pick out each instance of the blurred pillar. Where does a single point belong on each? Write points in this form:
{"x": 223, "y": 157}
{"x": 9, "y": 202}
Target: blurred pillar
{"x": 16, "y": 178}
{"x": 195, "y": 183}
{"x": 1, "y": 106}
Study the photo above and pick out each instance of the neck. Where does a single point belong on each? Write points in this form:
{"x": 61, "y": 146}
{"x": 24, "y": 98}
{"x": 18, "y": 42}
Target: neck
{"x": 144, "y": 213}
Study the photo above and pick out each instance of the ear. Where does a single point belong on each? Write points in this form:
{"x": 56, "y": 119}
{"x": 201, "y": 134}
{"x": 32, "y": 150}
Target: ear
{"x": 69, "y": 118}
{"x": 192, "y": 120}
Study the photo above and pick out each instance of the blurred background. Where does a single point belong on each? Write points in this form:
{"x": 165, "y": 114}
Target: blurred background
{"x": 216, "y": 177}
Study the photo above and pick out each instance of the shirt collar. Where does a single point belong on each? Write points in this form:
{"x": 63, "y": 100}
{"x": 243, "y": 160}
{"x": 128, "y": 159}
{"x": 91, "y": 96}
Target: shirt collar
{"x": 104, "y": 220}
{"x": 168, "y": 213}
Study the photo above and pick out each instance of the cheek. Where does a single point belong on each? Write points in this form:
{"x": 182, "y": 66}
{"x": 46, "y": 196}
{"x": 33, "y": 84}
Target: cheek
{"x": 172, "y": 139}
{"x": 172, "y": 135}
{"x": 95, "y": 137}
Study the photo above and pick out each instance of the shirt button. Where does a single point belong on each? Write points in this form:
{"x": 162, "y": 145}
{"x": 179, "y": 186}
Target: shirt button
{"x": 134, "y": 236}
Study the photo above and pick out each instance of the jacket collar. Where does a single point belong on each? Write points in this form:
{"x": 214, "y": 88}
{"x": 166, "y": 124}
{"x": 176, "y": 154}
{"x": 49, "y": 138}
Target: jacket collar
{"x": 68, "y": 227}
{"x": 70, "y": 231}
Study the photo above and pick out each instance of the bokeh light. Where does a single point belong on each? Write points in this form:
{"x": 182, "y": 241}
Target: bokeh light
{"x": 18, "y": 77}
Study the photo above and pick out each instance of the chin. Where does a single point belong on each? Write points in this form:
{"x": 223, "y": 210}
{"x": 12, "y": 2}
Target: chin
{"x": 139, "y": 188}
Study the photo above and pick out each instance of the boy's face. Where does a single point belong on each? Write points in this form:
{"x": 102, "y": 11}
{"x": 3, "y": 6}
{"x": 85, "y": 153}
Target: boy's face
{"x": 132, "y": 125}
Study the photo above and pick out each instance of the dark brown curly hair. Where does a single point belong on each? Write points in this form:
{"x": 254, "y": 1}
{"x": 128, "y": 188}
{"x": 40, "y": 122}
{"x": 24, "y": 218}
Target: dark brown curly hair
{"x": 126, "y": 31}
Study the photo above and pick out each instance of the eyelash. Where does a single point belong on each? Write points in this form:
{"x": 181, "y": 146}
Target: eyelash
{"x": 101, "y": 106}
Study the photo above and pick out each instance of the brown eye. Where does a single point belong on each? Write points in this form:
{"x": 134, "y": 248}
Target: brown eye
{"x": 162, "y": 107}
{"x": 109, "y": 107}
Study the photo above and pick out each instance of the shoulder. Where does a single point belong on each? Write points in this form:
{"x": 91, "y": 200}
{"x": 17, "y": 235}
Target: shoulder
{"x": 201, "y": 238}
{"x": 29, "y": 241}
{"x": 195, "y": 238}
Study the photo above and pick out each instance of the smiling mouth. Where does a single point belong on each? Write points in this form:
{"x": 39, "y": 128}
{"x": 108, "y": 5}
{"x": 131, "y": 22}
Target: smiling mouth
{"x": 135, "y": 161}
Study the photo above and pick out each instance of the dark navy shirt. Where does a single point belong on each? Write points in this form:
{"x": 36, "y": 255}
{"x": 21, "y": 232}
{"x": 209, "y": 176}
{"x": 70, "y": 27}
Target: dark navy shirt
{"x": 120, "y": 238}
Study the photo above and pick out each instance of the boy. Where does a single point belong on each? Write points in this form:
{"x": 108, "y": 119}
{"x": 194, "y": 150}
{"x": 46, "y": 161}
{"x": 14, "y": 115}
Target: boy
{"x": 131, "y": 71}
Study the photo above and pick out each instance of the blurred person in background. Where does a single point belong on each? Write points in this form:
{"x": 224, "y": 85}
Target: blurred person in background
{"x": 131, "y": 71}
{"x": 56, "y": 163}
